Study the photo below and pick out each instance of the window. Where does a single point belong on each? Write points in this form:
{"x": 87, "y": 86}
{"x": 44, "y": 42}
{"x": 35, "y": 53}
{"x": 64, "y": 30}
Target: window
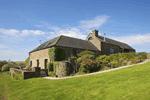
{"x": 37, "y": 63}
{"x": 31, "y": 63}
{"x": 90, "y": 38}
{"x": 111, "y": 50}
{"x": 47, "y": 44}
{"x": 94, "y": 53}
{"x": 77, "y": 51}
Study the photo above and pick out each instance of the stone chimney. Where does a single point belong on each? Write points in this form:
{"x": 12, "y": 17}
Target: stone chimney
{"x": 95, "y": 33}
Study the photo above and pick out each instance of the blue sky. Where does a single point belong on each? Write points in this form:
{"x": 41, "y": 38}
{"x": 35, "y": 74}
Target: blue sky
{"x": 24, "y": 23}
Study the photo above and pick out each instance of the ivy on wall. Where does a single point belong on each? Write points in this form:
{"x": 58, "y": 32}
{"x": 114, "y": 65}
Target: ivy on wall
{"x": 56, "y": 54}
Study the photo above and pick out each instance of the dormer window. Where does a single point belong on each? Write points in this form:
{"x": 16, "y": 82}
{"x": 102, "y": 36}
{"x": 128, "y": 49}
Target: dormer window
{"x": 90, "y": 38}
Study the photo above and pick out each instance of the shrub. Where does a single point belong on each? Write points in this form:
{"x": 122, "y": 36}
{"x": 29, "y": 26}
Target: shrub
{"x": 135, "y": 62}
{"x": 114, "y": 64}
{"x": 130, "y": 63}
{"x": 80, "y": 73}
{"x": 85, "y": 52}
{"x": 17, "y": 77}
{"x": 106, "y": 68}
{"x": 22, "y": 65}
{"x": 50, "y": 66}
{"x": 73, "y": 60}
{"x": 82, "y": 58}
{"x": 26, "y": 61}
{"x": 89, "y": 66}
{"x": 13, "y": 65}
{"x": 5, "y": 67}
{"x": 51, "y": 73}
{"x": 124, "y": 63}
{"x": 71, "y": 74}
{"x": 2, "y": 63}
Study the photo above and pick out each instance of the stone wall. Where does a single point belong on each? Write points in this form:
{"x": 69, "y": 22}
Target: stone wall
{"x": 63, "y": 69}
{"x": 25, "y": 74}
{"x": 148, "y": 56}
{"x": 106, "y": 48}
{"x": 40, "y": 55}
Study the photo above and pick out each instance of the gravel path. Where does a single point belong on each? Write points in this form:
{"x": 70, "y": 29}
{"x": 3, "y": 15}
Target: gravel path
{"x": 147, "y": 60}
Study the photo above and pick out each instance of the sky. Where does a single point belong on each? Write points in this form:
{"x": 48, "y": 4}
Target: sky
{"x": 24, "y": 22}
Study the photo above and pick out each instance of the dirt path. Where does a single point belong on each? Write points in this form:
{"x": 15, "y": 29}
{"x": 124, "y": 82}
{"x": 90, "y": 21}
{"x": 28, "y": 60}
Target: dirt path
{"x": 4, "y": 97}
{"x": 147, "y": 60}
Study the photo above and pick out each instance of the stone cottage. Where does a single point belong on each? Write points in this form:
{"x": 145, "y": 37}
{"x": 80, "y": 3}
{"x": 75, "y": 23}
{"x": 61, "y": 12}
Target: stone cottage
{"x": 98, "y": 44}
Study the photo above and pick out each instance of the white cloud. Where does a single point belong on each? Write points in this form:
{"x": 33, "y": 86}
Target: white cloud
{"x": 10, "y": 32}
{"x": 137, "y": 39}
{"x": 94, "y": 23}
{"x": 3, "y": 46}
{"x": 72, "y": 32}
{"x": 17, "y": 33}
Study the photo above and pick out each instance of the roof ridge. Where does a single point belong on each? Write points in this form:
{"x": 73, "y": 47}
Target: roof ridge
{"x": 58, "y": 39}
{"x": 113, "y": 40}
{"x": 72, "y": 37}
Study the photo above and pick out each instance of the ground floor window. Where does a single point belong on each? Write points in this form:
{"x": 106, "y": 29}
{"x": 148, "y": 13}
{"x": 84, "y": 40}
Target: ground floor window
{"x": 37, "y": 63}
{"x": 45, "y": 63}
{"x": 111, "y": 50}
{"x": 31, "y": 63}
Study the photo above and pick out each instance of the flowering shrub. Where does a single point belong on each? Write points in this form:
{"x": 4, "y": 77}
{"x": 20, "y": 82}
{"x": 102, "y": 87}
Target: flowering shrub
{"x": 81, "y": 59}
{"x": 89, "y": 66}
{"x": 135, "y": 62}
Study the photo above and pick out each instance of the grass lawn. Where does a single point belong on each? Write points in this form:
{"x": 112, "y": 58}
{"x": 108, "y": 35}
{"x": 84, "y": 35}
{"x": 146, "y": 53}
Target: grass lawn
{"x": 132, "y": 83}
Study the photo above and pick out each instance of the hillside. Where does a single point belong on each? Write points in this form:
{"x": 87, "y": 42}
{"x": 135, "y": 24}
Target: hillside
{"x": 127, "y": 83}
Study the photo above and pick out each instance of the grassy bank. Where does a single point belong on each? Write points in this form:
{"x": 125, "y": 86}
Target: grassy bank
{"x": 130, "y": 83}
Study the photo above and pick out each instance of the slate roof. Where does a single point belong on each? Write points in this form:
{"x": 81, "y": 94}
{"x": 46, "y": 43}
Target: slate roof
{"x": 114, "y": 42}
{"x": 65, "y": 41}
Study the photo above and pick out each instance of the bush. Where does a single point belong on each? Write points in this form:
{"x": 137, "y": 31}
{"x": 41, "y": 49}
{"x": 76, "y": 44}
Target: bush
{"x": 106, "y": 68}
{"x": 71, "y": 74}
{"x": 89, "y": 66}
{"x": 130, "y": 63}
{"x": 135, "y": 62}
{"x": 82, "y": 58}
{"x": 114, "y": 64}
{"x": 124, "y": 63}
{"x": 13, "y": 65}
{"x": 85, "y": 52}
{"x": 2, "y": 63}
{"x": 17, "y": 77}
{"x": 50, "y": 66}
{"x": 73, "y": 60}
{"x": 80, "y": 73}
{"x": 26, "y": 61}
{"x": 22, "y": 65}
{"x": 5, "y": 67}
{"x": 51, "y": 73}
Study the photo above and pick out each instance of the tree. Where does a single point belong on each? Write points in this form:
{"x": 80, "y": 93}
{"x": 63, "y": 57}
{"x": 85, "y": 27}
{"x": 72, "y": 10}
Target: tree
{"x": 26, "y": 61}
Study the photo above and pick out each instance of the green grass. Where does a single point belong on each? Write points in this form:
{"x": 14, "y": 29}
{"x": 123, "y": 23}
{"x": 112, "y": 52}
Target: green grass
{"x": 132, "y": 83}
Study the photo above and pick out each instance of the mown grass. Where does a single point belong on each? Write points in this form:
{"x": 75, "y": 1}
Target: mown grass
{"x": 130, "y": 83}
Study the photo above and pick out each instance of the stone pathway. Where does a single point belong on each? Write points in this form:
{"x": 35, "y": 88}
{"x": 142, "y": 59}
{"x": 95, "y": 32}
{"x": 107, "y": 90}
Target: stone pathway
{"x": 147, "y": 60}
